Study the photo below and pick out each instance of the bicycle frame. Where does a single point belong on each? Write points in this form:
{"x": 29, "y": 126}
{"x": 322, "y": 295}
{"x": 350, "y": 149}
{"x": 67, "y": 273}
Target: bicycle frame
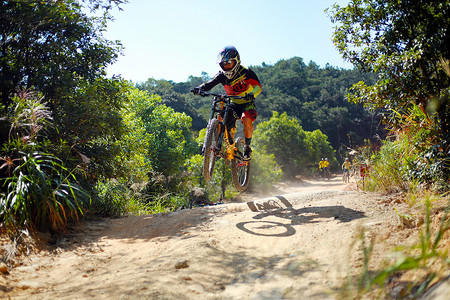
{"x": 220, "y": 110}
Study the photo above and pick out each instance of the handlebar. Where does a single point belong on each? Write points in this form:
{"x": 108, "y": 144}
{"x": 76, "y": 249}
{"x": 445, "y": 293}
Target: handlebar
{"x": 221, "y": 96}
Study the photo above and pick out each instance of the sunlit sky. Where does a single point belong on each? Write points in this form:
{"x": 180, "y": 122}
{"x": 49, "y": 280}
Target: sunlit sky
{"x": 173, "y": 39}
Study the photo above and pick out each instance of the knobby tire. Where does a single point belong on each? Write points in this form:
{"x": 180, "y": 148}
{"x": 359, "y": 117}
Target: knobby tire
{"x": 240, "y": 170}
{"x": 211, "y": 140}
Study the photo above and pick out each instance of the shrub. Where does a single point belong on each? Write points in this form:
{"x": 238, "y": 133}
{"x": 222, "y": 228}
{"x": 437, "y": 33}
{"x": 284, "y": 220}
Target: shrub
{"x": 38, "y": 191}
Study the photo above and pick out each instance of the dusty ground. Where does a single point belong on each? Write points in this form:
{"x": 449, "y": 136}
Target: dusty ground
{"x": 296, "y": 244}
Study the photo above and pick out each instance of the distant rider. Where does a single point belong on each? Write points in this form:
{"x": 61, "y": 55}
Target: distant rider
{"x": 237, "y": 80}
{"x": 321, "y": 167}
{"x": 346, "y": 166}
{"x": 326, "y": 166}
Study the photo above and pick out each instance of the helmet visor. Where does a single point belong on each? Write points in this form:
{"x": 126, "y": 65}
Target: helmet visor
{"x": 228, "y": 65}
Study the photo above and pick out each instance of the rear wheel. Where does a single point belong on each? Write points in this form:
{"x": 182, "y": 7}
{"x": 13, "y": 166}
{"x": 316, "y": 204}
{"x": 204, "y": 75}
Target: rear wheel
{"x": 209, "y": 156}
{"x": 240, "y": 169}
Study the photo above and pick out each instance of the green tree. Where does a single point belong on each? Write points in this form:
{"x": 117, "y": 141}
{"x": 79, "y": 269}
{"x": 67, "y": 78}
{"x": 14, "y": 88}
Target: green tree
{"x": 55, "y": 48}
{"x": 319, "y": 148}
{"x": 315, "y": 95}
{"x": 51, "y": 46}
{"x": 403, "y": 42}
{"x": 166, "y": 90}
{"x": 156, "y": 138}
{"x": 406, "y": 43}
{"x": 292, "y": 147}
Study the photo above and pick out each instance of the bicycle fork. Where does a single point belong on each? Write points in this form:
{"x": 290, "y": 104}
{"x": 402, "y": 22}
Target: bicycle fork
{"x": 228, "y": 137}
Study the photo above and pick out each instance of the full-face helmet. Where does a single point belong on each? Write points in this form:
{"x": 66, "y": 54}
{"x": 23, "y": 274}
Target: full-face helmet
{"x": 229, "y": 61}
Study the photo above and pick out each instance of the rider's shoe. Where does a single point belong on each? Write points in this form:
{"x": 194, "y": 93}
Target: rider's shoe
{"x": 247, "y": 153}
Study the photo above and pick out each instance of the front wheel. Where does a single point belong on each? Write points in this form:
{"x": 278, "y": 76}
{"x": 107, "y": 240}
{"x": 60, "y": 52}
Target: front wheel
{"x": 240, "y": 169}
{"x": 211, "y": 141}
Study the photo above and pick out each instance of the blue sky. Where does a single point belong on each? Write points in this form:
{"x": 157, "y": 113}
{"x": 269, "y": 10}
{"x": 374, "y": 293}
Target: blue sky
{"x": 173, "y": 39}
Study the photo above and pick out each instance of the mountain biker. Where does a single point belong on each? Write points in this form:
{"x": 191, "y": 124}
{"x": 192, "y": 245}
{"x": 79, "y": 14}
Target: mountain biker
{"x": 346, "y": 167}
{"x": 321, "y": 167}
{"x": 326, "y": 165}
{"x": 237, "y": 80}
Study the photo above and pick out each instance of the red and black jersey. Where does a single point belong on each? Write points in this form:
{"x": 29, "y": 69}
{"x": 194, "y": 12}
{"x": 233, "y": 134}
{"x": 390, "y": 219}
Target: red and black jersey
{"x": 243, "y": 82}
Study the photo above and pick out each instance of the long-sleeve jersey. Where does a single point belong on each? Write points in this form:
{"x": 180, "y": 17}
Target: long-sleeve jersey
{"x": 243, "y": 82}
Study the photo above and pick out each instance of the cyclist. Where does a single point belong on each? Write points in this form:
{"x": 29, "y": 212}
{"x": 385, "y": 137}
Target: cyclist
{"x": 237, "y": 80}
{"x": 346, "y": 167}
{"x": 326, "y": 165}
{"x": 321, "y": 167}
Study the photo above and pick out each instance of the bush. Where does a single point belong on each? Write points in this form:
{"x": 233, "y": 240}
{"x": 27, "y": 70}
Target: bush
{"x": 414, "y": 156}
{"x": 264, "y": 171}
{"x": 38, "y": 191}
{"x": 293, "y": 148}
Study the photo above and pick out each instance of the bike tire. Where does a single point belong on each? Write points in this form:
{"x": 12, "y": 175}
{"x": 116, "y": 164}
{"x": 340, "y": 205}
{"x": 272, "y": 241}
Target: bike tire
{"x": 240, "y": 170}
{"x": 211, "y": 140}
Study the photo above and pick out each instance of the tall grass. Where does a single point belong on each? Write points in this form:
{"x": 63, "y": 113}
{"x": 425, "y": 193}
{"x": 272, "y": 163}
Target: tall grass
{"x": 37, "y": 190}
{"x": 428, "y": 260}
{"x": 40, "y": 192}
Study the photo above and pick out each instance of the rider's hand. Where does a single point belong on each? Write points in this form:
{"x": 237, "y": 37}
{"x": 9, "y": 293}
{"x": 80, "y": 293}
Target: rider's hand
{"x": 249, "y": 97}
{"x": 197, "y": 91}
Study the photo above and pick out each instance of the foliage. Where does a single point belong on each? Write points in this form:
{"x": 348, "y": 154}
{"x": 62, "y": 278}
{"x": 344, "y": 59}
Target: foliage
{"x": 170, "y": 98}
{"x": 54, "y": 47}
{"x": 401, "y": 41}
{"x": 37, "y": 190}
{"x": 112, "y": 199}
{"x": 163, "y": 134}
{"x": 51, "y": 46}
{"x": 41, "y": 192}
{"x": 154, "y": 144}
{"x": 89, "y": 121}
{"x": 264, "y": 171}
{"x": 317, "y": 98}
{"x": 318, "y": 148}
{"x": 406, "y": 44}
{"x": 293, "y": 148}
{"x": 414, "y": 156}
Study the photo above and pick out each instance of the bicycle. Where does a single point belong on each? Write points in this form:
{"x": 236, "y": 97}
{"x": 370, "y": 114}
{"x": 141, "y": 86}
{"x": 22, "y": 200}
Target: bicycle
{"x": 219, "y": 143}
{"x": 346, "y": 176}
{"x": 326, "y": 173}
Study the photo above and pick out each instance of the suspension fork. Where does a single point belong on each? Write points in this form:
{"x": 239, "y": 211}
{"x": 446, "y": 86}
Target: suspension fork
{"x": 214, "y": 110}
{"x": 222, "y": 129}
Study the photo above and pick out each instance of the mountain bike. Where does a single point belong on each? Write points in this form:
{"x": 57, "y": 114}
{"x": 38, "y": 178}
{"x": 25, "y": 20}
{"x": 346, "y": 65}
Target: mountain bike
{"x": 219, "y": 143}
{"x": 346, "y": 176}
{"x": 326, "y": 173}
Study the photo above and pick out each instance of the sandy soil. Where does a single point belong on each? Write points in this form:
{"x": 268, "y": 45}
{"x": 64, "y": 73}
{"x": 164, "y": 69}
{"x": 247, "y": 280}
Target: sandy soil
{"x": 296, "y": 244}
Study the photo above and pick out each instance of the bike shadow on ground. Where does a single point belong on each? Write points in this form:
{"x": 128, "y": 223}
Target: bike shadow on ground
{"x": 282, "y": 208}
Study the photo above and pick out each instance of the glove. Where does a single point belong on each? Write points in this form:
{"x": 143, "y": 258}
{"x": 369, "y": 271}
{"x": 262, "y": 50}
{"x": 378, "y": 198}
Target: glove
{"x": 249, "y": 97}
{"x": 197, "y": 91}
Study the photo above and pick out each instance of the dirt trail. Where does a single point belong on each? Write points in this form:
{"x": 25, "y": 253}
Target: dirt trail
{"x": 294, "y": 245}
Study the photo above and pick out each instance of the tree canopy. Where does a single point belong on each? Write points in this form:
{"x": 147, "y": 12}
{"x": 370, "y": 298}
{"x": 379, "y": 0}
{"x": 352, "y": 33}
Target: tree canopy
{"x": 406, "y": 44}
{"x": 51, "y": 46}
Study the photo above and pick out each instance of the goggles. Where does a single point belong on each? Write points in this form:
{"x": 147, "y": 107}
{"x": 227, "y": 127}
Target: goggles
{"x": 228, "y": 65}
